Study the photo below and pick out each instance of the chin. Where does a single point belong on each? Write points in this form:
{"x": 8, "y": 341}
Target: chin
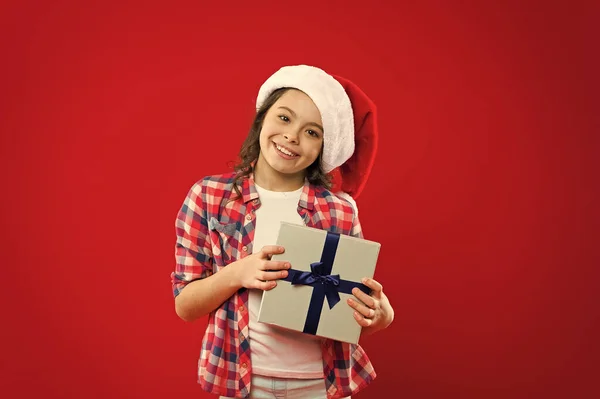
{"x": 283, "y": 166}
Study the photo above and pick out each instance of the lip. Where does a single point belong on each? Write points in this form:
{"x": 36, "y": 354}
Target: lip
{"x": 281, "y": 154}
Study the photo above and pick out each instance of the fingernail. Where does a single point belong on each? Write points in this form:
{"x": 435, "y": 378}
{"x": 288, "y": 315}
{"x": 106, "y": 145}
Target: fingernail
{"x": 364, "y": 280}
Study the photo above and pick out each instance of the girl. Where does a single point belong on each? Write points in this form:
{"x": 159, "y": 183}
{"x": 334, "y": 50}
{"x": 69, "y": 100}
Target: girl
{"x": 307, "y": 124}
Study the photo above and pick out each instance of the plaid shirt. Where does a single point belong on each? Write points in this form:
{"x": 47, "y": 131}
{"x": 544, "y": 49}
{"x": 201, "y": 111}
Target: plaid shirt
{"x": 214, "y": 230}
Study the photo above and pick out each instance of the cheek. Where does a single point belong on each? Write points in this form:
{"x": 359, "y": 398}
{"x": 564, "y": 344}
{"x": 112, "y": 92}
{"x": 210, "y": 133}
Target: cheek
{"x": 266, "y": 132}
{"x": 263, "y": 138}
{"x": 311, "y": 156}
{"x": 316, "y": 149}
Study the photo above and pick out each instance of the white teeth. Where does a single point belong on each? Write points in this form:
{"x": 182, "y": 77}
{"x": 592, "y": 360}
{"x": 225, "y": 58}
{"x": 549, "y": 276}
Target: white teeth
{"x": 286, "y": 152}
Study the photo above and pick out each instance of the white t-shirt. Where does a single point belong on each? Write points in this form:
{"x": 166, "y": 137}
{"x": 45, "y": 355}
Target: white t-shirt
{"x": 275, "y": 351}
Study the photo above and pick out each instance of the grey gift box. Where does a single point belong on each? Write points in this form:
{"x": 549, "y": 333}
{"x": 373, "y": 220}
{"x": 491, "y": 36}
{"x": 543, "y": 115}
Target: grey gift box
{"x": 287, "y": 305}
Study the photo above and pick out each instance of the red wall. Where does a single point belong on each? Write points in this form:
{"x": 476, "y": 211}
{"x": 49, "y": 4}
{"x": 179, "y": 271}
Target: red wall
{"x": 484, "y": 195}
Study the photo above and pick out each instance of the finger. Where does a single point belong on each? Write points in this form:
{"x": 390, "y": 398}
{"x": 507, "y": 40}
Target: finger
{"x": 265, "y": 285}
{"x": 276, "y": 265}
{"x": 268, "y": 250}
{"x": 361, "y": 320}
{"x": 364, "y": 298}
{"x": 272, "y": 275}
{"x": 362, "y": 309}
{"x": 372, "y": 284}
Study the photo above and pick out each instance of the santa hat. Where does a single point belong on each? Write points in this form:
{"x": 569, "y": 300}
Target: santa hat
{"x": 349, "y": 122}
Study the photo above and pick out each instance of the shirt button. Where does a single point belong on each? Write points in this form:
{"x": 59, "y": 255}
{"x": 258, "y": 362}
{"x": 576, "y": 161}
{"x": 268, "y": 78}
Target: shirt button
{"x": 244, "y": 365}
{"x": 245, "y": 248}
{"x": 248, "y": 217}
{"x": 242, "y": 308}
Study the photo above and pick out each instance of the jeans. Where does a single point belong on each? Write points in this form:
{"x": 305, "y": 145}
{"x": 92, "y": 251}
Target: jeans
{"x": 286, "y": 388}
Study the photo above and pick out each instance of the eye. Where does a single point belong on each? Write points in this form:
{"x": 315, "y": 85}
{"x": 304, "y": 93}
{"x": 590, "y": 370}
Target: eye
{"x": 313, "y": 133}
{"x": 284, "y": 118}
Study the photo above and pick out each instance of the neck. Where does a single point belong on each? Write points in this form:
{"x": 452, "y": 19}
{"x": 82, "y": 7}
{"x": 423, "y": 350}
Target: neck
{"x": 272, "y": 180}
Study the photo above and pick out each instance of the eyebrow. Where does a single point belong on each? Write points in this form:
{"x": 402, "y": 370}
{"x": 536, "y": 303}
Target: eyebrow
{"x": 294, "y": 115}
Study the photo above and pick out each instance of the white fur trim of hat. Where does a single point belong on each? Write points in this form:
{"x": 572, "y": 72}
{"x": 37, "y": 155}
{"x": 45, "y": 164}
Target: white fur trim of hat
{"x": 332, "y": 101}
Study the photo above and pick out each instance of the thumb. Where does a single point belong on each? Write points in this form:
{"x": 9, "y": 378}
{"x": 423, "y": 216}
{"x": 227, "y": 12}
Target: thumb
{"x": 375, "y": 286}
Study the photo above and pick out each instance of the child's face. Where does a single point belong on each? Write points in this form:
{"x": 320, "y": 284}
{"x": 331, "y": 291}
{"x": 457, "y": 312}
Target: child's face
{"x": 291, "y": 137}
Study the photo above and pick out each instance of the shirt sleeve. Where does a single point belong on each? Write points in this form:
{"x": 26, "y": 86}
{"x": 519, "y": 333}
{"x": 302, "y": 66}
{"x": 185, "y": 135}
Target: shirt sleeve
{"x": 193, "y": 255}
{"x": 356, "y": 227}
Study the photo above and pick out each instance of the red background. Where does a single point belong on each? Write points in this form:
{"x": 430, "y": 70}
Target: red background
{"x": 484, "y": 195}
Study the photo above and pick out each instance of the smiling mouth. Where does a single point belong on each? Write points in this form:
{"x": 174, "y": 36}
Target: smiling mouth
{"x": 285, "y": 151}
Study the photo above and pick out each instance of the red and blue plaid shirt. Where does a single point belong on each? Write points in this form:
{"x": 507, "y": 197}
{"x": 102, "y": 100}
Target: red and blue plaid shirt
{"x": 214, "y": 230}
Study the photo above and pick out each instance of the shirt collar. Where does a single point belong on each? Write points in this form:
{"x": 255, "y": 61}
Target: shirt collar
{"x": 249, "y": 193}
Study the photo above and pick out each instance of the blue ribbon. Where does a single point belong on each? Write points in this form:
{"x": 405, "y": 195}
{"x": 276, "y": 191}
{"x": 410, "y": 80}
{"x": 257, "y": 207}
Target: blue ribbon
{"x": 324, "y": 284}
{"x": 317, "y": 275}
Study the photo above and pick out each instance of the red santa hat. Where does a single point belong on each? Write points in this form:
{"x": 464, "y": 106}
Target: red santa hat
{"x": 349, "y": 122}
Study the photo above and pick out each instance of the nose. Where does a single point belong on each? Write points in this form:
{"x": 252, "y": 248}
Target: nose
{"x": 291, "y": 136}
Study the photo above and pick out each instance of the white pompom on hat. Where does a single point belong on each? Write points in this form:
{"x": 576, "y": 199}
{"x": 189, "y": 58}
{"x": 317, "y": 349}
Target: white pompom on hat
{"x": 349, "y": 121}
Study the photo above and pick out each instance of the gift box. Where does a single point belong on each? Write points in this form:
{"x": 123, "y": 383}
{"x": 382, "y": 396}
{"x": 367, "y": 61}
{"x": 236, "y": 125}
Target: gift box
{"x": 325, "y": 268}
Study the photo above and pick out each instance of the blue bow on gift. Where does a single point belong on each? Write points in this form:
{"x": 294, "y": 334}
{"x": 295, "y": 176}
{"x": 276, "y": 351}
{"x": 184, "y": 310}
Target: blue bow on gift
{"x": 318, "y": 275}
{"x": 324, "y": 285}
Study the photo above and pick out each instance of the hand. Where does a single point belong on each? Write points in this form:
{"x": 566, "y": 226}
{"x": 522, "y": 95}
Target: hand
{"x": 254, "y": 271}
{"x": 376, "y": 313}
